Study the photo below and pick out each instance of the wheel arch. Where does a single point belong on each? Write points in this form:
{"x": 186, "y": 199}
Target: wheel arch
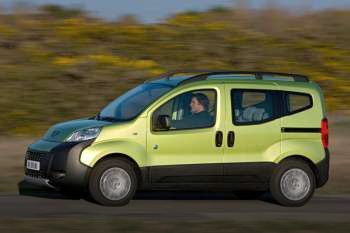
{"x": 125, "y": 158}
{"x": 306, "y": 160}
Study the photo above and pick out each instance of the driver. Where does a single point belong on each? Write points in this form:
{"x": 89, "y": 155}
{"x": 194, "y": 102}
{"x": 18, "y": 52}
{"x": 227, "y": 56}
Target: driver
{"x": 200, "y": 116}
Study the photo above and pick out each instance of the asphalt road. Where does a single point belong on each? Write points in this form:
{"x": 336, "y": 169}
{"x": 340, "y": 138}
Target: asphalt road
{"x": 167, "y": 205}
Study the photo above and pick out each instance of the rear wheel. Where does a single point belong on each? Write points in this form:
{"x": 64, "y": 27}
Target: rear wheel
{"x": 293, "y": 183}
{"x": 113, "y": 182}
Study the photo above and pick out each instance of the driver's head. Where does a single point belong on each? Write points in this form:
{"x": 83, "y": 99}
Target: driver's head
{"x": 199, "y": 103}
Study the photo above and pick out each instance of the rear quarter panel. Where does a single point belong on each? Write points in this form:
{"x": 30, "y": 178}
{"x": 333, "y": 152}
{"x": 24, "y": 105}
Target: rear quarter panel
{"x": 305, "y": 144}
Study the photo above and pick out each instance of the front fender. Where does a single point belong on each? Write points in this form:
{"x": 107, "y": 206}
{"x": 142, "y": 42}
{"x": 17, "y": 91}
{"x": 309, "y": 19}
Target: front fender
{"x": 95, "y": 152}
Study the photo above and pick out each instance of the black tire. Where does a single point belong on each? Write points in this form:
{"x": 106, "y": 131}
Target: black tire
{"x": 95, "y": 178}
{"x": 276, "y": 187}
{"x": 249, "y": 195}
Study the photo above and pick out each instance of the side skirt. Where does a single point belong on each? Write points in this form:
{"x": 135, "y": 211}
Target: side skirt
{"x": 208, "y": 177}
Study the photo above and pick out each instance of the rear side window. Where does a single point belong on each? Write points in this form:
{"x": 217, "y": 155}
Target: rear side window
{"x": 252, "y": 106}
{"x": 297, "y": 102}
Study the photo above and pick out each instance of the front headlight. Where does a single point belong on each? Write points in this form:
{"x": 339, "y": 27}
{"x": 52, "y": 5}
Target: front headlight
{"x": 84, "y": 134}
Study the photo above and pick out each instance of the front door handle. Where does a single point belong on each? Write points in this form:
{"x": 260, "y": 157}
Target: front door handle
{"x": 218, "y": 138}
{"x": 230, "y": 139}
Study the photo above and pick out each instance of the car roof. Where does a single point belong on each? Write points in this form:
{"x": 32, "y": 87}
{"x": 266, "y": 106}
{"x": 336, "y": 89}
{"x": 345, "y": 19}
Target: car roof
{"x": 181, "y": 78}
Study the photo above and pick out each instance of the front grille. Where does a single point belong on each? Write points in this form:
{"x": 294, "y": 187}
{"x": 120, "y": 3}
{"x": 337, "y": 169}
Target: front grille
{"x": 43, "y": 158}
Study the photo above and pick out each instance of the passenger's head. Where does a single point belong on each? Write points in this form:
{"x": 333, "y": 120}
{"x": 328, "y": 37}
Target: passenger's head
{"x": 199, "y": 103}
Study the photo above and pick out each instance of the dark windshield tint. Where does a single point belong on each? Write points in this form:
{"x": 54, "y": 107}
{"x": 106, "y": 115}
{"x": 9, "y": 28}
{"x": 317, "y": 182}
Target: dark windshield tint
{"x": 133, "y": 102}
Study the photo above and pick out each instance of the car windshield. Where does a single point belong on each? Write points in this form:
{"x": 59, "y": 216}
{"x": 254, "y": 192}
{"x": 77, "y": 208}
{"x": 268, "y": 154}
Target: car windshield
{"x": 133, "y": 102}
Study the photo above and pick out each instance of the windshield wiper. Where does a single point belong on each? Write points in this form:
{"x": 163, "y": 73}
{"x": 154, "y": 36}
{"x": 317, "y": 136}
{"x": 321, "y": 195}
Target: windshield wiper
{"x": 97, "y": 117}
{"x": 111, "y": 119}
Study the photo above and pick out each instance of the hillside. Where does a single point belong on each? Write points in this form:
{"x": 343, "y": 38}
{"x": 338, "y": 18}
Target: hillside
{"x": 59, "y": 64}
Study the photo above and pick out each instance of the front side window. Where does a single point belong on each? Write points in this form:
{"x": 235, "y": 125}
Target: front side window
{"x": 190, "y": 110}
{"x": 133, "y": 102}
{"x": 252, "y": 106}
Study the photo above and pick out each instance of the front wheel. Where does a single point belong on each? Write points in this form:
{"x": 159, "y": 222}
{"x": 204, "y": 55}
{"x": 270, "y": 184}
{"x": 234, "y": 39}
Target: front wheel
{"x": 113, "y": 182}
{"x": 293, "y": 183}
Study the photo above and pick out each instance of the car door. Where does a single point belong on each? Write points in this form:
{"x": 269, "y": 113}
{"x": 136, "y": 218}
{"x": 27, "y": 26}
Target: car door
{"x": 253, "y": 133}
{"x": 188, "y": 152}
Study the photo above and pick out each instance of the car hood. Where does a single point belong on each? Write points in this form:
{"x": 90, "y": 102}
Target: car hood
{"x": 61, "y": 131}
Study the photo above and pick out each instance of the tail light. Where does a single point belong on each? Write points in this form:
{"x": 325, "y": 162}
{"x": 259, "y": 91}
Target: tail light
{"x": 324, "y": 132}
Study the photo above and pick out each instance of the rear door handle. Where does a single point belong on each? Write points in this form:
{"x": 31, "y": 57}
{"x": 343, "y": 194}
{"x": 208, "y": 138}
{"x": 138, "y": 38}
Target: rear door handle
{"x": 230, "y": 139}
{"x": 218, "y": 138}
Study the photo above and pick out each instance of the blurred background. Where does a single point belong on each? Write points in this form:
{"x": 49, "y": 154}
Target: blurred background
{"x": 60, "y": 62}
{"x": 66, "y": 59}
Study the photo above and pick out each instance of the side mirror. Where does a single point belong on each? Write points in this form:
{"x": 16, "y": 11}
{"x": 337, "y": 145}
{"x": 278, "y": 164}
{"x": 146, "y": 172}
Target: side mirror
{"x": 163, "y": 122}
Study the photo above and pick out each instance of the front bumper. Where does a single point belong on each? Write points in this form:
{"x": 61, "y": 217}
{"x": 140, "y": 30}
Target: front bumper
{"x": 59, "y": 167}
{"x": 38, "y": 181}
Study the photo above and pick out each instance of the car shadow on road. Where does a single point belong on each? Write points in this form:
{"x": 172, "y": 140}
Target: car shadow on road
{"x": 26, "y": 189}
{"x": 197, "y": 195}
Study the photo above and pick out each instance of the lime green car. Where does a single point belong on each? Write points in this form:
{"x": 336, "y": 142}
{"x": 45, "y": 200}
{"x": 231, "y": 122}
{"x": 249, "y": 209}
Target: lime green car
{"x": 245, "y": 132}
